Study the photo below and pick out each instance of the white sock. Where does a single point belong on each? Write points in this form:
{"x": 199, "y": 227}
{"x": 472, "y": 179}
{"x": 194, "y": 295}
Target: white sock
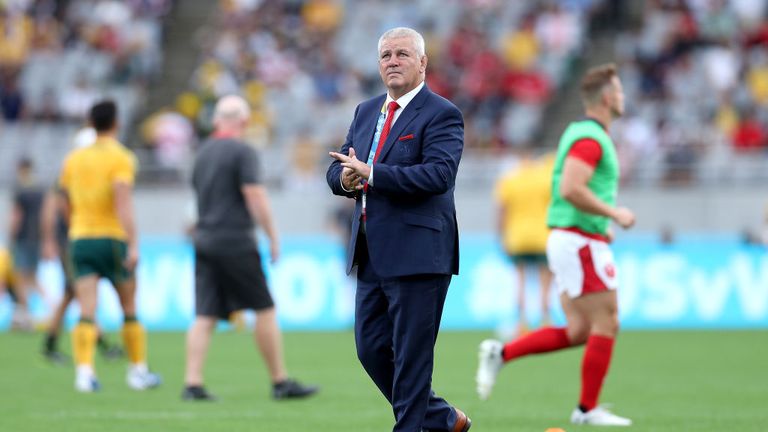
{"x": 86, "y": 370}
{"x": 138, "y": 368}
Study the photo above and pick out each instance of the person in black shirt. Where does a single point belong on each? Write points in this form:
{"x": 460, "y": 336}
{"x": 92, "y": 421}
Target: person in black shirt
{"x": 228, "y": 269}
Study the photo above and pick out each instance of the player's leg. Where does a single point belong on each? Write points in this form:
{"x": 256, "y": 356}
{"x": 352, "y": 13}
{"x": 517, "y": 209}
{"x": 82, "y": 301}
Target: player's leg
{"x": 84, "y": 333}
{"x": 85, "y": 266}
{"x": 138, "y": 376}
{"x": 208, "y": 309}
{"x": 50, "y": 346}
{"x": 522, "y": 326}
{"x": 545, "y": 283}
{"x": 492, "y": 355}
{"x": 246, "y": 288}
{"x": 198, "y": 340}
{"x": 270, "y": 343}
{"x": 600, "y": 305}
{"x": 21, "y": 319}
{"x": 269, "y": 340}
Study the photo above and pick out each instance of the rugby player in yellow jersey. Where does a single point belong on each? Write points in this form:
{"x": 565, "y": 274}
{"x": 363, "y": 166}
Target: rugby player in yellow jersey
{"x": 7, "y": 277}
{"x": 9, "y": 282}
{"x": 522, "y": 197}
{"x": 98, "y": 182}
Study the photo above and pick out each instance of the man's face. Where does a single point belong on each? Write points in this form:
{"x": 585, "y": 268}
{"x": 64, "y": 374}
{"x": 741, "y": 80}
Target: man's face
{"x": 400, "y": 66}
{"x": 616, "y": 97}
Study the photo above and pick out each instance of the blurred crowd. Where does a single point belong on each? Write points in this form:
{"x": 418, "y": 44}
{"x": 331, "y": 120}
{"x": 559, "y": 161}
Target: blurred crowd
{"x": 695, "y": 73}
{"x": 696, "y": 77}
{"x": 303, "y": 65}
{"x": 58, "y": 56}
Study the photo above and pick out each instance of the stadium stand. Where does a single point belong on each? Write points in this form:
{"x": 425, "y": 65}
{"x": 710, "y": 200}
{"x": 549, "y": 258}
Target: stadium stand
{"x": 57, "y": 57}
{"x": 695, "y": 72}
{"x": 304, "y": 65}
{"x": 696, "y": 78}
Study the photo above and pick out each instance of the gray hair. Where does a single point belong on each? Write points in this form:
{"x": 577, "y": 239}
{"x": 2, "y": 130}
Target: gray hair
{"x": 400, "y": 32}
{"x": 231, "y": 108}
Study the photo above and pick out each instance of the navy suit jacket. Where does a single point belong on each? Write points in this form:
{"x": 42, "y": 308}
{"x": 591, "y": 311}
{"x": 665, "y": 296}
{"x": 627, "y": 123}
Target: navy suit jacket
{"x": 411, "y": 223}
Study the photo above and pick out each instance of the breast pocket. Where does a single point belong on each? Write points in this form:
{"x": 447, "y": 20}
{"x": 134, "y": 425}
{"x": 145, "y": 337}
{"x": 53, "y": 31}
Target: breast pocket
{"x": 407, "y": 151}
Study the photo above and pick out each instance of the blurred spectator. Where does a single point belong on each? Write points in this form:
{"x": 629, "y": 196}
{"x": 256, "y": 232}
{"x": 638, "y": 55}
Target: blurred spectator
{"x": 500, "y": 62}
{"x": 25, "y": 226}
{"x": 94, "y": 47}
{"x": 172, "y": 137}
{"x": 750, "y": 134}
{"x": 11, "y": 100}
{"x": 691, "y": 68}
{"x": 16, "y": 31}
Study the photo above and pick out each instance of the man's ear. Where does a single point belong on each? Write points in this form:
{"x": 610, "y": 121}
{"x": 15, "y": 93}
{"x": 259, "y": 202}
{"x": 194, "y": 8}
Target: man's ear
{"x": 424, "y": 60}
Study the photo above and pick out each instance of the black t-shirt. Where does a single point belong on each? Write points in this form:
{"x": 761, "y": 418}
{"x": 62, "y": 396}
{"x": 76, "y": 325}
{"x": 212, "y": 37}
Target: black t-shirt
{"x": 222, "y": 167}
{"x": 30, "y": 200}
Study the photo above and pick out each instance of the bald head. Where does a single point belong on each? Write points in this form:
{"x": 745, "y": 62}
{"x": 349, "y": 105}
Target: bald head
{"x": 231, "y": 112}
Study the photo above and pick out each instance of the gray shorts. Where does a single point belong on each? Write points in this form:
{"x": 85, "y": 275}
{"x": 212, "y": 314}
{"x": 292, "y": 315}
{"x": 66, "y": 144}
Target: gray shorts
{"x": 26, "y": 256}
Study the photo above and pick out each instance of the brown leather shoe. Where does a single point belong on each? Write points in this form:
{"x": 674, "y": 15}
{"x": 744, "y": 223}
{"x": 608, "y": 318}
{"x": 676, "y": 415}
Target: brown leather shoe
{"x": 463, "y": 423}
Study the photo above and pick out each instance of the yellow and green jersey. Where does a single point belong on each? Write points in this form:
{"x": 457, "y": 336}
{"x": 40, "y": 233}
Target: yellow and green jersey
{"x": 88, "y": 176}
{"x": 7, "y": 274}
{"x": 524, "y": 194}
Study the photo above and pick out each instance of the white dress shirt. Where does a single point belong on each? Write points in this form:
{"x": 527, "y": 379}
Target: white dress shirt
{"x": 402, "y": 102}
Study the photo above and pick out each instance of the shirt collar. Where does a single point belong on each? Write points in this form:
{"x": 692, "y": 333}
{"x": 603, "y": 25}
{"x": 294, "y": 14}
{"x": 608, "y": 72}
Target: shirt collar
{"x": 596, "y": 121}
{"x": 406, "y": 98}
{"x": 104, "y": 139}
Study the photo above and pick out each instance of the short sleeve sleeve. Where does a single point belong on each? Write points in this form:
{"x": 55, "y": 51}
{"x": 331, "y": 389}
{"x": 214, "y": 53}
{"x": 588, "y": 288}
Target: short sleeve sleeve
{"x": 249, "y": 166}
{"x": 502, "y": 189}
{"x": 125, "y": 169}
{"x": 587, "y": 150}
{"x": 64, "y": 176}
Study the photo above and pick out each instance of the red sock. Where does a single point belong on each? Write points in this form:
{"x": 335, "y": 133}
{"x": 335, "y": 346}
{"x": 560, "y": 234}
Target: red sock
{"x": 541, "y": 341}
{"x": 594, "y": 367}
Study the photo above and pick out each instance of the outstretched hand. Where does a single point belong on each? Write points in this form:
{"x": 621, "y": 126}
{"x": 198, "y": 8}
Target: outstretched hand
{"x": 355, "y": 170}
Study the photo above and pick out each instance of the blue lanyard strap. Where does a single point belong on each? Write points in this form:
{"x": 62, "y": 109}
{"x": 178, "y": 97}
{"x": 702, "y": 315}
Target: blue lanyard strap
{"x": 377, "y": 136}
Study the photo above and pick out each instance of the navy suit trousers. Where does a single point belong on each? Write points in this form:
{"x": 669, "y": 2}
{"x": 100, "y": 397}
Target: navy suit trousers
{"x": 396, "y": 326}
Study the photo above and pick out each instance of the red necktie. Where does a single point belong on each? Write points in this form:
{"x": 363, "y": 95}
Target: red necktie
{"x": 391, "y": 108}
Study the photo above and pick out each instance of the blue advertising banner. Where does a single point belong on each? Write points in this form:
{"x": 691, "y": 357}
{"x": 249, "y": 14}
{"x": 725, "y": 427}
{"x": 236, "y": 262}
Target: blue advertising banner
{"x": 697, "y": 282}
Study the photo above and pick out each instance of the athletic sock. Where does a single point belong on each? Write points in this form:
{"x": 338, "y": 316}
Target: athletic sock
{"x": 541, "y": 341}
{"x": 594, "y": 367}
{"x": 101, "y": 341}
{"x": 51, "y": 340}
{"x": 84, "y": 343}
{"x": 135, "y": 340}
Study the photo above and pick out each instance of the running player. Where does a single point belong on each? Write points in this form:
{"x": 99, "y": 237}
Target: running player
{"x": 584, "y": 186}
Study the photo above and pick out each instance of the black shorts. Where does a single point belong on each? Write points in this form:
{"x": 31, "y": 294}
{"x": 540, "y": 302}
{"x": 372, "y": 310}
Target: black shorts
{"x": 226, "y": 283}
{"x": 528, "y": 259}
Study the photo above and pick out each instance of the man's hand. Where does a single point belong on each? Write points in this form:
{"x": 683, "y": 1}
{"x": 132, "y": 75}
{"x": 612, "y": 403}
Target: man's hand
{"x": 349, "y": 179}
{"x": 624, "y": 217}
{"x": 132, "y": 257}
{"x": 355, "y": 169}
{"x": 274, "y": 251}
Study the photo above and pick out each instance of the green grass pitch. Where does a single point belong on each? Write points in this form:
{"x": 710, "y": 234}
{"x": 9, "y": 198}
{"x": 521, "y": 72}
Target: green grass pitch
{"x": 664, "y": 381}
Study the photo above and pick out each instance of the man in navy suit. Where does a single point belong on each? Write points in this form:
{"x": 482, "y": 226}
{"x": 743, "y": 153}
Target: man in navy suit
{"x": 405, "y": 239}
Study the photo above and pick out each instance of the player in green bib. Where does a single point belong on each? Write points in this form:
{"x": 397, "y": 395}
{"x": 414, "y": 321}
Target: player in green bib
{"x": 585, "y": 182}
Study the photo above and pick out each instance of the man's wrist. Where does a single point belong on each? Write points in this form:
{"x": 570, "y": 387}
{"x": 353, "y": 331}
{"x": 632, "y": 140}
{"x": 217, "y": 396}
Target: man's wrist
{"x": 341, "y": 181}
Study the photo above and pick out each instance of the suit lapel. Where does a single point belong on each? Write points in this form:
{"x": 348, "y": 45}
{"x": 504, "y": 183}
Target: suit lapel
{"x": 409, "y": 113}
{"x": 368, "y": 124}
